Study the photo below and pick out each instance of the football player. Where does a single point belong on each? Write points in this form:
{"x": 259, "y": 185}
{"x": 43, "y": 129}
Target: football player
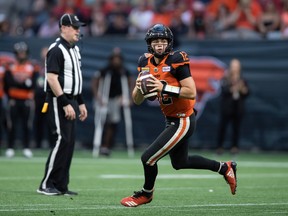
{"x": 172, "y": 80}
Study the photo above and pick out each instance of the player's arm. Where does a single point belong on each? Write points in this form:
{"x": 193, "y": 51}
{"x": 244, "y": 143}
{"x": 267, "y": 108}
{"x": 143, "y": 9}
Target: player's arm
{"x": 188, "y": 88}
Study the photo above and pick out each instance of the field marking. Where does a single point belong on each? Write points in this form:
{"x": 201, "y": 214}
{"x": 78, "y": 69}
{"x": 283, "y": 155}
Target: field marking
{"x": 194, "y": 176}
{"x": 160, "y": 176}
{"x": 105, "y": 207}
{"x": 165, "y": 161}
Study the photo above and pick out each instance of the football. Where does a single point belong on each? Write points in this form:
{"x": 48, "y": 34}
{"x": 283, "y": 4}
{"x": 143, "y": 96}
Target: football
{"x": 145, "y": 89}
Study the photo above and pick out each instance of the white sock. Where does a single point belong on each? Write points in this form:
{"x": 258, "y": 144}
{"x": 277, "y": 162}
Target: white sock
{"x": 147, "y": 191}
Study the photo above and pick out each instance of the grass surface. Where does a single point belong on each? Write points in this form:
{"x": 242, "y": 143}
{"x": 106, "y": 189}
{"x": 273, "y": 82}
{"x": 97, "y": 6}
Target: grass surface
{"x": 102, "y": 182}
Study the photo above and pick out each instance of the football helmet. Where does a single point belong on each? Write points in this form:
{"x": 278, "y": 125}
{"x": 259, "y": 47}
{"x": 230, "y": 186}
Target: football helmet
{"x": 21, "y": 51}
{"x": 21, "y": 47}
{"x": 159, "y": 31}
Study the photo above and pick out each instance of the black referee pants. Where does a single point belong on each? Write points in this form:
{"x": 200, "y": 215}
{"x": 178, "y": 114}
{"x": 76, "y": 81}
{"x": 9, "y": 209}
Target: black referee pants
{"x": 59, "y": 160}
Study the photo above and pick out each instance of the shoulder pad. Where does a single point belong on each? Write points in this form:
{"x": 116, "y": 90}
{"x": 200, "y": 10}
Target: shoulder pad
{"x": 143, "y": 58}
{"x": 180, "y": 57}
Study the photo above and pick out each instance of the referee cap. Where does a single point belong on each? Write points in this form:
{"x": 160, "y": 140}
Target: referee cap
{"x": 70, "y": 20}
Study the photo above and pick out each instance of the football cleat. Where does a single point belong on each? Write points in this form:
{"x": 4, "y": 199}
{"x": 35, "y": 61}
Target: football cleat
{"x": 230, "y": 176}
{"x": 139, "y": 198}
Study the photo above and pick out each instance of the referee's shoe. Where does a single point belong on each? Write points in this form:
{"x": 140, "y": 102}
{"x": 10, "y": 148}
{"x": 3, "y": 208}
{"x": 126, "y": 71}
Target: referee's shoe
{"x": 49, "y": 191}
{"x": 55, "y": 192}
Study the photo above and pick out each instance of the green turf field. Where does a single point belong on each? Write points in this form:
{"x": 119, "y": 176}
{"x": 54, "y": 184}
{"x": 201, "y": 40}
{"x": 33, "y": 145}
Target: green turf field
{"x": 102, "y": 182}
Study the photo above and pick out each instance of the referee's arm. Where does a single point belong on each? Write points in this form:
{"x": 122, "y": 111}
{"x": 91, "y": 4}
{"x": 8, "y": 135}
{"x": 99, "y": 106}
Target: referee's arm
{"x": 52, "y": 79}
{"x": 54, "y": 84}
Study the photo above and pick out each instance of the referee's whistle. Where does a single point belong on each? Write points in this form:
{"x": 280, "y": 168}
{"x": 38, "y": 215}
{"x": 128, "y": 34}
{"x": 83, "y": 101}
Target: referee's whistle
{"x": 45, "y": 107}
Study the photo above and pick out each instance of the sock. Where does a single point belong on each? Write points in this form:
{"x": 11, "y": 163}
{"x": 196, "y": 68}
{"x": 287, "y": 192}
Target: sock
{"x": 147, "y": 193}
{"x": 222, "y": 168}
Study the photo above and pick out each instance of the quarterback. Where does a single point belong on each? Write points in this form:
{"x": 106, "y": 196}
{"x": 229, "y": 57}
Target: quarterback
{"x": 176, "y": 92}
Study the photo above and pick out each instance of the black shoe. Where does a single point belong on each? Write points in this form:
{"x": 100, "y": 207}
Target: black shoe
{"x": 69, "y": 193}
{"x": 49, "y": 191}
{"x": 105, "y": 152}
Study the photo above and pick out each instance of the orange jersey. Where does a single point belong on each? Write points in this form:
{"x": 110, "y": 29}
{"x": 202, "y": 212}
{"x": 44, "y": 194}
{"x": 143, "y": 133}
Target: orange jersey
{"x": 20, "y": 81}
{"x": 168, "y": 71}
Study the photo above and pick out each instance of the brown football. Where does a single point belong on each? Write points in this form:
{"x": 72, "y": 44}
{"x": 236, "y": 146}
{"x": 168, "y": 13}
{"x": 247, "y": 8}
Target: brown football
{"x": 145, "y": 89}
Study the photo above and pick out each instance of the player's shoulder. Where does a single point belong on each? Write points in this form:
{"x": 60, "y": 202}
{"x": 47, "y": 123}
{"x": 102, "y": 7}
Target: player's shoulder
{"x": 143, "y": 59}
{"x": 178, "y": 56}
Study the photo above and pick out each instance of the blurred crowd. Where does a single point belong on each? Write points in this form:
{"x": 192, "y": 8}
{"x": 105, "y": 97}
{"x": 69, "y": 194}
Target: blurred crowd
{"x": 196, "y": 19}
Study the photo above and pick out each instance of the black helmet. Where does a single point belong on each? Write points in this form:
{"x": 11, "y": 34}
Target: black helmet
{"x": 159, "y": 31}
{"x": 21, "y": 47}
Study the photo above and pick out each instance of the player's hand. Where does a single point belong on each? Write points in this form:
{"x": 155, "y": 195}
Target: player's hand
{"x": 83, "y": 112}
{"x": 69, "y": 112}
{"x": 138, "y": 82}
{"x": 157, "y": 84}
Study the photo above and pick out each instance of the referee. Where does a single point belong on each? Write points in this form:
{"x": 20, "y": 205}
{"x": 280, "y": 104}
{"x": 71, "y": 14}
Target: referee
{"x": 63, "y": 88}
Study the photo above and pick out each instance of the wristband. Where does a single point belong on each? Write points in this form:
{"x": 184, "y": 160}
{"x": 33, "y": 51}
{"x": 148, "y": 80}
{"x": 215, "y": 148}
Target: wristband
{"x": 171, "y": 90}
{"x": 63, "y": 100}
{"x": 80, "y": 99}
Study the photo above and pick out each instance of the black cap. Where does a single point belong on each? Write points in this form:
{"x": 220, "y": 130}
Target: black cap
{"x": 70, "y": 20}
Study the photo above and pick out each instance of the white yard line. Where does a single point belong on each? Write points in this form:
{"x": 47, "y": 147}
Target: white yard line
{"x": 119, "y": 161}
{"x": 160, "y": 176}
{"x": 39, "y": 207}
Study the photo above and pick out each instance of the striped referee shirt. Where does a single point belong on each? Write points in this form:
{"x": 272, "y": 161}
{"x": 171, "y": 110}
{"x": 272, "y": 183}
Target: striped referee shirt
{"x": 64, "y": 59}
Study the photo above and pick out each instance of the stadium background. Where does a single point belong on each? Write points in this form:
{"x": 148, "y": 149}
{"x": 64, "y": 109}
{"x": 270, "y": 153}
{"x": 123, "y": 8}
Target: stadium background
{"x": 265, "y": 66}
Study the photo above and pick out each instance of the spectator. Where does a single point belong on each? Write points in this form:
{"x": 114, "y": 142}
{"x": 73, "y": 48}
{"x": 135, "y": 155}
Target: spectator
{"x": 49, "y": 28}
{"x": 111, "y": 90}
{"x": 234, "y": 91}
{"x": 27, "y": 28}
{"x": 244, "y": 20}
{"x": 118, "y": 25}
{"x": 269, "y": 21}
{"x": 181, "y": 20}
{"x": 220, "y": 23}
{"x": 162, "y": 13}
{"x": 98, "y": 24}
{"x": 118, "y": 19}
{"x": 4, "y": 26}
{"x": 19, "y": 83}
{"x": 142, "y": 11}
{"x": 198, "y": 23}
{"x": 284, "y": 20}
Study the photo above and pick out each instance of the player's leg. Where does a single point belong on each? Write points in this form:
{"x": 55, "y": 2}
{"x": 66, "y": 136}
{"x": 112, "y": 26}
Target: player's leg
{"x": 12, "y": 121}
{"x": 181, "y": 160}
{"x": 167, "y": 140}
